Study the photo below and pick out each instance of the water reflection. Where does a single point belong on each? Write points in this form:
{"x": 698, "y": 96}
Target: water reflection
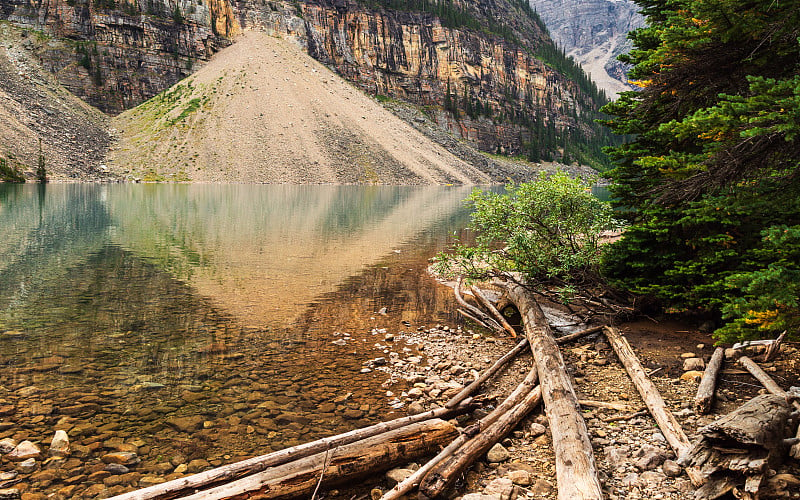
{"x": 195, "y": 322}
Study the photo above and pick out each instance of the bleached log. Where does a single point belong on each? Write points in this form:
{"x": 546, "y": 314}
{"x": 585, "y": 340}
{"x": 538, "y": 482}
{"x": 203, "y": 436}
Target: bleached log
{"x": 230, "y": 472}
{"x": 481, "y": 316}
{"x": 705, "y": 392}
{"x": 773, "y": 388}
{"x": 448, "y": 471}
{"x": 576, "y": 470}
{"x": 346, "y": 463}
{"x": 483, "y": 425}
{"x": 493, "y": 311}
{"x": 472, "y": 387}
{"x": 666, "y": 421}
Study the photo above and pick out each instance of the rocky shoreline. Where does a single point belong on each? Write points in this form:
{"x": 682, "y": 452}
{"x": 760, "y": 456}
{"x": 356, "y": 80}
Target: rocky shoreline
{"x": 633, "y": 457}
{"x": 421, "y": 368}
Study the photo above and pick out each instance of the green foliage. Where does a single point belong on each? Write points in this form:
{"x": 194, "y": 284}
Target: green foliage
{"x": 547, "y": 230}
{"x": 712, "y": 167}
{"x": 770, "y": 300}
{"x": 9, "y": 172}
{"x": 41, "y": 170}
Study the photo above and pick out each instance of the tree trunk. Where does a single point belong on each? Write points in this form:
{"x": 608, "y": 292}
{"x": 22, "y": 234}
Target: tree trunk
{"x": 705, "y": 392}
{"x": 447, "y": 472}
{"x": 455, "y": 448}
{"x": 773, "y": 388}
{"x": 493, "y": 310}
{"x": 737, "y": 450}
{"x": 338, "y": 465}
{"x": 575, "y": 466}
{"x": 652, "y": 398}
{"x": 466, "y": 391}
{"x": 230, "y": 472}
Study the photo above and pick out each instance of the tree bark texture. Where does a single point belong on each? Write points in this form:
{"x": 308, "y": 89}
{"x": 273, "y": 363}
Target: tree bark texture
{"x": 576, "y": 470}
{"x": 475, "y": 441}
{"x": 230, "y": 472}
{"x": 773, "y": 388}
{"x": 737, "y": 450}
{"x": 345, "y": 463}
{"x": 666, "y": 421}
{"x": 705, "y": 392}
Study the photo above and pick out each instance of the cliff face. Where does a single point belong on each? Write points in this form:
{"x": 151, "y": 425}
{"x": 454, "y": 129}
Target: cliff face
{"x": 594, "y": 33}
{"x": 116, "y": 54}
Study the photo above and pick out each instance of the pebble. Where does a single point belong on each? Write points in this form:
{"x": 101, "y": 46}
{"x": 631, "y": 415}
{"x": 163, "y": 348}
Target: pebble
{"x": 497, "y": 453}
{"x": 24, "y": 451}
{"x": 59, "y": 446}
{"x": 690, "y": 364}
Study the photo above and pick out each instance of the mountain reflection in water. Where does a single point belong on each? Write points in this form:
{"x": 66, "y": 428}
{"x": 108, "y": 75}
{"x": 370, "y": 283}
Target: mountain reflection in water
{"x": 196, "y": 322}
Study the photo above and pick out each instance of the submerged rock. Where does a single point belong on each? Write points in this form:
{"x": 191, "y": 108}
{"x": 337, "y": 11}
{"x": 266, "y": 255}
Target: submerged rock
{"x": 59, "y": 446}
{"x": 24, "y": 451}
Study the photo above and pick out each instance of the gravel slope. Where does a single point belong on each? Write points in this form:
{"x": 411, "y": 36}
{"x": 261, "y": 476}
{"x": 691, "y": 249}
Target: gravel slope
{"x": 34, "y": 107}
{"x": 263, "y": 110}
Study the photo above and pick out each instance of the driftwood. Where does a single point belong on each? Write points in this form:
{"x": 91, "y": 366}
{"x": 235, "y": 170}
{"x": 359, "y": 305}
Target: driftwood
{"x": 206, "y": 479}
{"x": 577, "y": 335}
{"x": 448, "y": 471}
{"x": 465, "y": 458}
{"x": 493, "y": 310}
{"x": 472, "y": 387}
{"x": 773, "y": 388}
{"x": 474, "y": 313}
{"x": 735, "y": 453}
{"x": 575, "y": 465}
{"x": 346, "y": 463}
{"x": 652, "y": 398}
{"x": 705, "y": 392}
{"x": 774, "y": 348}
{"x": 605, "y": 405}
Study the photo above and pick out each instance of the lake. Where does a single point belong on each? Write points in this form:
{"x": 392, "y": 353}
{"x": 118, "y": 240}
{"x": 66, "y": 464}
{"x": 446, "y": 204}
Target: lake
{"x": 187, "y": 326}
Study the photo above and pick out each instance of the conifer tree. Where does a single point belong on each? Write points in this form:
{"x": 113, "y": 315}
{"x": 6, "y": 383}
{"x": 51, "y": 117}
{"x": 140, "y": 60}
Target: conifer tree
{"x": 713, "y": 170}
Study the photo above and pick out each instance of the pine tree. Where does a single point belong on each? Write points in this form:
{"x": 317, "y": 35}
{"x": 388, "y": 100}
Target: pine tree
{"x": 714, "y": 165}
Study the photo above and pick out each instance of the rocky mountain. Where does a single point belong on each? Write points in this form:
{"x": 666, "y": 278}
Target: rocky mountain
{"x": 331, "y": 132}
{"x": 485, "y": 70}
{"x": 36, "y": 112}
{"x": 594, "y": 33}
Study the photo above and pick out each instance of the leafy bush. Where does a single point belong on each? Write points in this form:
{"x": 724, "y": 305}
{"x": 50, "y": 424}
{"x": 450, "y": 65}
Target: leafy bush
{"x": 547, "y": 230}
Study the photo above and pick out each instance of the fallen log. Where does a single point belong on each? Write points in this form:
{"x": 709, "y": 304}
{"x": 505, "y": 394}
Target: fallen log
{"x": 735, "y": 452}
{"x": 606, "y": 405}
{"x": 482, "y": 425}
{"x": 475, "y": 313}
{"x": 493, "y": 310}
{"x": 342, "y": 464}
{"x": 774, "y": 348}
{"x": 576, "y": 471}
{"x": 447, "y": 472}
{"x": 230, "y": 472}
{"x": 472, "y": 387}
{"x": 652, "y": 398}
{"x": 572, "y": 336}
{"x": 773, "y": 387}
{"x": 705, "y": 392}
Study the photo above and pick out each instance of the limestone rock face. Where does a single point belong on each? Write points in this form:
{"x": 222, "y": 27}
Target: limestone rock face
{"x": 118, "y": 58}
{"x": 594, "y": 33}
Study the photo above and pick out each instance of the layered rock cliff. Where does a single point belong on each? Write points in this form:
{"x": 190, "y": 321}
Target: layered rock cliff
{"x": 481, "y": 68}
{"x": 594, "y": 33}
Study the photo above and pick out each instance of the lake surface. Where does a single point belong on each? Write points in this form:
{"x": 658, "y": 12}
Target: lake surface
{"x": 193, "y": 325}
